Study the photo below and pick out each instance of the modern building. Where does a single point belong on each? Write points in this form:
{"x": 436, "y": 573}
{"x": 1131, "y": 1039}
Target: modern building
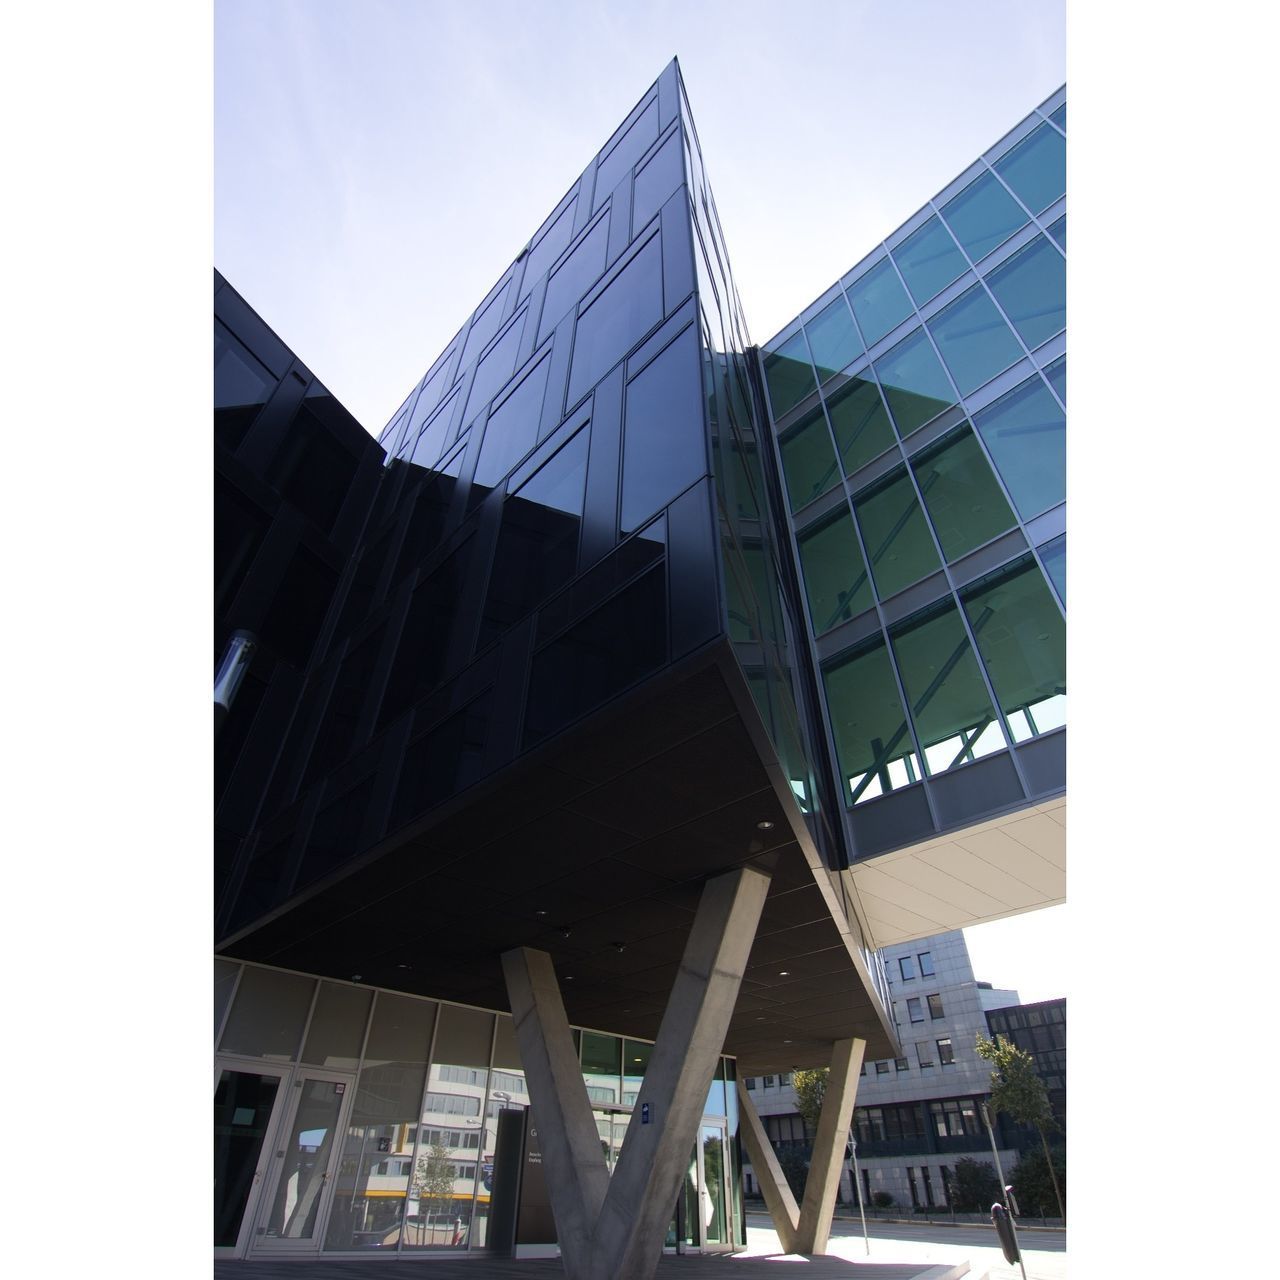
{"x": 1039, "y": 1029}
{"x": 558, "y": 758}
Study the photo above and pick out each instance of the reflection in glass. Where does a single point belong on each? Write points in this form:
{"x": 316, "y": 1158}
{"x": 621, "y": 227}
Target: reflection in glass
{"x": 267, "y": 1017}
{"x": 242, "y": 384}
{"x": 550, "y": 247}
{"x": 1031, "y": 287}
{"x": 873, "y": 745}
{"x": 860, "y": 423}
{"x": 642, "y": 134}
{"x": 914, "y": 382}
{"x": 629, "y": 306}
{"x": 1058, "y": 230}
{"x": 952, "y": 714}
{"x": 789, "y": 375}
{"x": 895, "y": 535}
{"x": 974, "y": 339}
{"x": 242, "y": 1106}
{"x": 808, "y": 463}
{"x": 1025, "y": 433}
{"x": 512, "y": 429}
{"x": 1054, "y": 557}
{"x": 961, "y": 494}
{"x": 1022, "y": 638}
{"x": 983, "y": 216}
{"x": 575, "y": 275}
{"x": 929, "y": 260}
{"x": 879, "y": 301}
{"x": 664, "y": 443}
{"x": 483, "y": 327}
{"x": 492, "y": 372}
{"x": 656, "y": 181}
{"x": 337, "y": 1026}
{"x": 835, "y": 577}
{"x": 303, "y": 1172}
{"x": 1057, "y": 375}
{"x": 833, "y": 339}
{"x": 712, "y": 1214}
{"x": 1036, "y": 168}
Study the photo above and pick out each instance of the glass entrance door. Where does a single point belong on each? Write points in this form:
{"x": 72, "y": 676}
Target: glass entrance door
{"x": 244, "y": 1101}
{"x": 307, "y": 1145}
{"x": 712, "y": 1199}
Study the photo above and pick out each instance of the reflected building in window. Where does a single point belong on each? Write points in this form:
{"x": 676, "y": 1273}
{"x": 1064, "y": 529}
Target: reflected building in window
{"x": 616, "y": 603}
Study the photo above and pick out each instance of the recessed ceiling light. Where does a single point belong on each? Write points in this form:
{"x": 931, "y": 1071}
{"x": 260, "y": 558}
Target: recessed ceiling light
{"x": 539, "y": 913}
{"x": 635, "y": 1059}
{"x": 356, "y": 977}
{"x": 766, "y": 825}
{"x": 404, "y": 966}
{"x": 568, "y": 977}
{"x": 786, "y": 1042}
{"x": 784, "y": 973}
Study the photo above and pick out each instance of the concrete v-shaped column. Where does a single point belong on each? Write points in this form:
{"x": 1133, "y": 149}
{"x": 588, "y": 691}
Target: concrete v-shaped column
{"x": 617, "y": 1233}
{"x": 807, "y": 1229}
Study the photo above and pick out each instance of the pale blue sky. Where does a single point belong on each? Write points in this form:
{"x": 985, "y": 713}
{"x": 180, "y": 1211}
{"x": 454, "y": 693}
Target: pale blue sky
{"x": 378, "y": 164}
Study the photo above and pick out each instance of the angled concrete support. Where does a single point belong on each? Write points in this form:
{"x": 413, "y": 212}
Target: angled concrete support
{"x": 617, "y": 1232}
{"x": 578, "y": 1177}
{"x": 807, "y": 1229}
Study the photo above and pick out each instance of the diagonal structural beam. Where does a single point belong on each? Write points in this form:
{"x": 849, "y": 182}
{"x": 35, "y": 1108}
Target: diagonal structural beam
{"x": 651, "y": 1164}
{"x": 578, "y": 1176}
{"x": 808, "y": 1228}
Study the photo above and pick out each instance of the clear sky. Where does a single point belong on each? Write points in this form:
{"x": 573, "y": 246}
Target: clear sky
{"x": 379, "y": 164}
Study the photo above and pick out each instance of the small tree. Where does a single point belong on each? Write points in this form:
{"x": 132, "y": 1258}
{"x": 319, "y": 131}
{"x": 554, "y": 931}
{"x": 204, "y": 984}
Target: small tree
{"x": 811, "y": 1089}
{"x": 1031, "y": 1179}
{"x": 881, "y": 1199}
{"x": 795, "y": 1168}
{"x": 434, "y": 1178}
{"x": 974, "y": 1186}
{"x": 1020, "y": 1094}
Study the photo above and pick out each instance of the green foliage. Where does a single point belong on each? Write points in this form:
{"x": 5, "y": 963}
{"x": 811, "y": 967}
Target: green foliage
{"x": 881, "y": 1199}
{"x": 434, "y": 1178}
{"x": 1015, "y": 1088}
{"x": 811, "y": 1088}
{"x": 1032, "y": 1185}
{"x": 974, "y": 1186}
{"x": 795, "y": 1166}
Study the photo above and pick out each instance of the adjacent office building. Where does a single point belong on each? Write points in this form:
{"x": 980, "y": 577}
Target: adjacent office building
{"x": 637, "y": 683}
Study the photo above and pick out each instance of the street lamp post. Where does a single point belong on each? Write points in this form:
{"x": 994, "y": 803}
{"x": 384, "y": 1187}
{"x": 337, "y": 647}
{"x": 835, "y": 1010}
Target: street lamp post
{"x": 1004, "y": 1194}
{"x": 857, "y": 1186}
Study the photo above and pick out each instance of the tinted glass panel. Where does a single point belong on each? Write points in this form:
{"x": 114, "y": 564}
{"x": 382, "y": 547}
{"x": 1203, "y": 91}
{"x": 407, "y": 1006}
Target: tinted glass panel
{"x": 1025, "y": 432}
{"x": 974, "y": 339}
{"x": 268, "y": 1015}
{"x": 1054, "y": 555}
{"x": 895, "y": 535}
{"x": 929, "y": 260}
{"x": 496, "y": 367}
{"x": 835, "y": 576}
{"x": 860, "y": 423}
{"x": 789, "y": 375}
{"x": 1057, "y": 375}
{"x": 808, "y": 461}
{"x": 664, "y": 446}
{"x": 1036, "y": 168}
{"x": 983, "y": 215}
{"x": 574, "y": 276}
{"x": 550, "y": 247}
{"x": 870, "y": 728}
{"x": 483, "y": 327}
{"x": 512, "y": 428}
{"x": 1032, "y": 289}
{"x": 961, "y": 493}
{"x": 833, "y": 339}
{"x": 1058, "y": 230}
{"x": 629, "y": 148}
{"x": 1059, "y": 117}
{"x": 952, "y": 714}
{"x": 656, "y": 181}
{"x": 1022, "y": 638}
{"x": 914, "y": 382}
{"x": 879, "y": 301}
{"x": 629, "y": 306}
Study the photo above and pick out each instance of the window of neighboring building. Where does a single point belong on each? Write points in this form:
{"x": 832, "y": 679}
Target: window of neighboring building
{"x": 935, "y": 1006}
{"x": 945, "y": 1054}
{"x": 928, "y": 1185}
{"x": 924, "y": 1054}
{"x": 926, "y": 963}
{"x": 784, "y": 1079}
{"x": 911, "y": 1182}
{"x": 907, "y": 967}
{"x": 882, "y": 1068}
{"x": 901, "y": 1064}
{"x": 914, "y": 1009}
{"x": 768, "y": 1082}
{"x": 751, "y": 1084}
{"x": 946, "y": 1184}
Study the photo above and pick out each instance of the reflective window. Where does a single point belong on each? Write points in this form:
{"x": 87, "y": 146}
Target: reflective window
{"x": 537, "y": 549}
{"x": 789, "y": 375}
{"x": 629, "y": 148}
{"x": 551, "y": 246}
{"x": 656, "y": 181}
{"x": 808, "y": 463}
{"x": 983, "y": 216}
{"x": 1022, "y": 638}
{"x": 835, "y": 576}
{"x": 1058, "y": 230}
{"x": 241, "y": 386}
{"x": 833, "y": 339}
{"x": 1054, "y": 556}
{"x": 895, "y": 535}
{"x": 870, "y": 728}
{"x": 860, "y": 423}
{"x": 974, "y": 339}
{"x": 914, "y": 383}
{"x": 337, "y": 1026}
{"x": 929, "y": 260}
{"x": 1036, "y": 168}
{"x": 1059, "y": 117}
{"x": 575, "y": 275}
{"x": 512, "y": 429}
{"x": 433, "y": 440}
{"x": 961, "y": 494}
{"x": 952, "y": 713}
{"x": 1025, "y": 433}
{"x": 879, "y": 301}
{"x": 629, "y": 307}
{"x": 906, "y": 967}
{"x": 1057, "y": 375}
{"x": 483, "y": 327}
{"x": 926, "y": 964}
{"x": 664, "y": 445}
{"x": 492, "y": 371}
{"x": 268, "y": 1015}
{"x": 1031, "y": 287}
{"x": 915, "y": 1011}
